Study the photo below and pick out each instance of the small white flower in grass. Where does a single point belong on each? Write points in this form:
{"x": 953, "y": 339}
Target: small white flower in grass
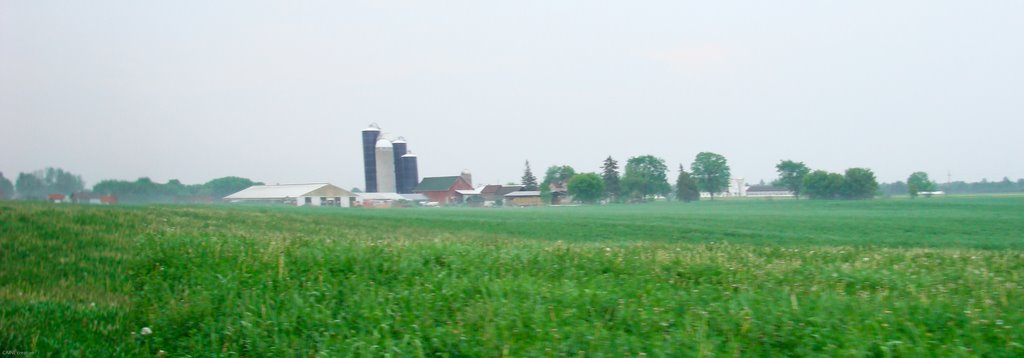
{"x": 865, "y": 259}
{"x": 145, "y": 331}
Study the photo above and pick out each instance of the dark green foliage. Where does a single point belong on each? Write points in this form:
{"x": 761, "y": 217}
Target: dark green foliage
{"x": 586, "y": 187}
{"x": 686, "y": 188}
{"x": 896, "y": 188}
{"x": 221, "y": 187}
{"x": 982, "y": 187}
{"x": 859, "y": 183}
{"x": 529, "y": 180}
{"x": 37, "y": 185}
{"x": 918, "y": 182}
{"x": 645, "y": 176}
{"x": 820, "y": 184}
{"x": 59, "y": 181}
{"x": 144, "y": 190}
{"x": 30, "y": 187}
{"x": 6, "y": 188}
{"x": 610, "y": 174}
{"x": 711, "y": 173}
{"x": 791, "y": 176}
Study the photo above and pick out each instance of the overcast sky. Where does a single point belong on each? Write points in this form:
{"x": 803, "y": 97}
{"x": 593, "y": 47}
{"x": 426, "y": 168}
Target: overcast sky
{"x": 279, "y": 91}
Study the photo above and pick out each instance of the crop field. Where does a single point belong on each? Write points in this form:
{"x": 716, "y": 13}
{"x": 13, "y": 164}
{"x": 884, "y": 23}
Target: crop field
{"x": 887, "y": 277}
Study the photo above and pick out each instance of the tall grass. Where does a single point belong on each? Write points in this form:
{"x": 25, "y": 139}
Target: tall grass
{"x": 896, "y": 277}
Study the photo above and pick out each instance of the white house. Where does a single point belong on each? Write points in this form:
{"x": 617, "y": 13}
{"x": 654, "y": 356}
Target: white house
{"x": 317, "y": 194}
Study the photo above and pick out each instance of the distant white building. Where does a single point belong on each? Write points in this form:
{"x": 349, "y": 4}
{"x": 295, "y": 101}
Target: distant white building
{"x": 767, "y": 191}
{"x": 318, "y": 194}
{"x": 737, "y": 189}
{"x": 378, "y": 200}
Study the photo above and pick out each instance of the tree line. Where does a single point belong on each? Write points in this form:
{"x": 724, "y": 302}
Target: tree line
{"x": 645, "y": 178}
{"x": 40, "y": 184}
{"x": 855, "y": 183}
{"x": 921, "y": 183}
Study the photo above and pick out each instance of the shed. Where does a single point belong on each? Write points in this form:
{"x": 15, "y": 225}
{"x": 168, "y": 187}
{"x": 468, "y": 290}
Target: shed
{"x": 523, "y": 198}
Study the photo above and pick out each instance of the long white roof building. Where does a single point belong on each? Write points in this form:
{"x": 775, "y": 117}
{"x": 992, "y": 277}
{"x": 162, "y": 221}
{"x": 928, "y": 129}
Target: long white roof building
{"x": 316, "y": 194}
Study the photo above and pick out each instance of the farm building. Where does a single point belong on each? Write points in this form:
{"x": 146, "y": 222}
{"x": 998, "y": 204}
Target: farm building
{"x": 378, "y": 200}
{"x": 523, "y": 198}
{"x": 471, "y": 197}
{"x": 559, "y": 193}
{"x": 416, "y": 198}
{"x": 767, "y": 191}
{"x": 492, "y": 193}
{"x": 318, "y": 194}
{"x": 442, "y": 190}
{"x": 88, "y": 197}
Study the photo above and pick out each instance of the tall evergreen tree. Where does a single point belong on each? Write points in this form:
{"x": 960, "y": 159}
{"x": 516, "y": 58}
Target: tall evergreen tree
{"x": 610, "y": 174}
{"x": 686, "y": 188}
{"x": 529, "y": 180}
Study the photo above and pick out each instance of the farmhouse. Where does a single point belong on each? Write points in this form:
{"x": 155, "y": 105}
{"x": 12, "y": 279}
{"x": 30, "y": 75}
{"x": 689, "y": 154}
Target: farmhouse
{"x": 442, "y": 190}
{"x": 318, "y": 194}
{"x": 523, "y": 198}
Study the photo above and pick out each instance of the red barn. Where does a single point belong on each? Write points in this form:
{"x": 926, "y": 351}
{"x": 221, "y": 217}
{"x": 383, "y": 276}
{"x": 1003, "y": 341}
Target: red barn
{"x": 442, "y": 189}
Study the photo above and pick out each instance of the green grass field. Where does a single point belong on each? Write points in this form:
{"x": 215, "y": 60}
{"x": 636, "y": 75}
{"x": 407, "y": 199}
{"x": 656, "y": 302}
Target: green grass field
{"x": 892, "y": 277}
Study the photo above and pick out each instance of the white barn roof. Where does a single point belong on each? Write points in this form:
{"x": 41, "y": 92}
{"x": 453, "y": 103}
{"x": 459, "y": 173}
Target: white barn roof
{"x": 380, "y": 196}
{"x": 522, "y": 194}
{"x": 281, "y": 191}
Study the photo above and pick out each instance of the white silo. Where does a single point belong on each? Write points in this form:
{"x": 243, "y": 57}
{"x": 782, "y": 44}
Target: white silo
{"x": 385, "y": 167}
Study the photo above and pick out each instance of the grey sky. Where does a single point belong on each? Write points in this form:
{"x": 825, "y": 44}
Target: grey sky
{"x": 278, "y": 91}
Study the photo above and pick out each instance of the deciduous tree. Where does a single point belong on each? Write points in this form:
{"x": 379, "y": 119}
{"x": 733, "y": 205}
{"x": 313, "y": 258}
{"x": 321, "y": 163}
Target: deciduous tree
{"x": 918, "y": 182}
{"x": 711, "y": 173}
{"x": 820, "y": 184}
{"x": 791, "y": 176}
{"x": 586, "y": 187}
{"x": 646, "y": 176}
{"x": 859, "y": 183}
{"x": 30, "y": 187}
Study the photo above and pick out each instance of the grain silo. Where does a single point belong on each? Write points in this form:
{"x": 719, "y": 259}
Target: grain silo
{"x": 385, "y": 167}
{"x": 467, "y": 176}
{"x": 369, "y": 157}
{"x": 399, "y": 146}
{"x": 411, "y": 171}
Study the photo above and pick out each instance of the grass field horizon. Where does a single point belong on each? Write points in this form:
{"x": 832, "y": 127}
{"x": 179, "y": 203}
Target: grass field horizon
{"x": 729, "y": 277}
